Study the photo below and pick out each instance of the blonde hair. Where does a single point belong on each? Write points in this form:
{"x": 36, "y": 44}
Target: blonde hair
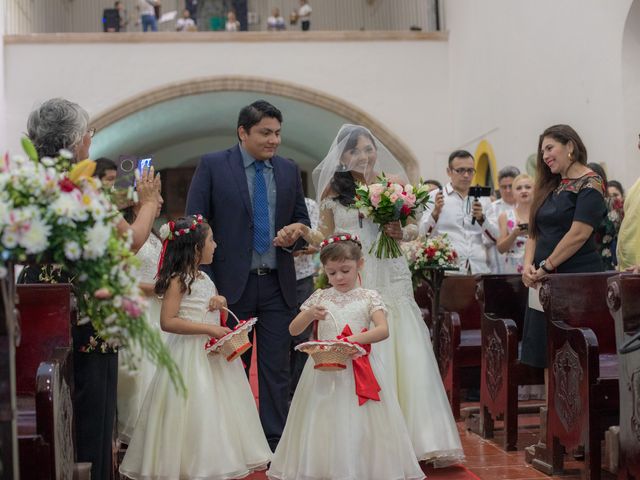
{"x": 523, "y": 176}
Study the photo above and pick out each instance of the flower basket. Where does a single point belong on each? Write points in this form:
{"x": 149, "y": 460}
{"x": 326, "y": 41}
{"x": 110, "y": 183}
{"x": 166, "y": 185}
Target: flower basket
{"x": 234, "y": 343}
{"x": 331, "y": 355}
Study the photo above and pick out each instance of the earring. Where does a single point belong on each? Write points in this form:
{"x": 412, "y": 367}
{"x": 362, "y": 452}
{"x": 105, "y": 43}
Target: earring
{"x": 342, "y": 167}
{"x": 570, "y": 157}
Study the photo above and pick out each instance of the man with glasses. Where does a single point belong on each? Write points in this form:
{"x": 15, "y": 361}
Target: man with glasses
{"x": 453, "y": 212}
{"x": 505, "y": 203}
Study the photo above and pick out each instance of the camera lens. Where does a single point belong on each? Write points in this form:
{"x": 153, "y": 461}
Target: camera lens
{"x": 127, "y": 165}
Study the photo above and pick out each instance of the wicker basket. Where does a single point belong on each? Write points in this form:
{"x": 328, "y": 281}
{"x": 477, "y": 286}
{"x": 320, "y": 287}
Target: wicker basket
{"x": 234, "y": 343}
{"x": 330, "y": 355}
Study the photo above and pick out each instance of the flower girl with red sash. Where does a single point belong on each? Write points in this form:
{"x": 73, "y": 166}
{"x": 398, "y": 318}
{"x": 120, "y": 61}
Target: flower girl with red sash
{"x": 344, "y": 424}
{"x": 213, "y": 431}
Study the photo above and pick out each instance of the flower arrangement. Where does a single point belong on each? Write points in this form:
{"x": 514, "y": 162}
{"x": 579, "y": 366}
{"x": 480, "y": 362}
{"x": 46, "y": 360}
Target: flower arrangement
{"x": 385, "y": 202}
{"x": 55, "y": 213}
{"x": 433, "y": 252}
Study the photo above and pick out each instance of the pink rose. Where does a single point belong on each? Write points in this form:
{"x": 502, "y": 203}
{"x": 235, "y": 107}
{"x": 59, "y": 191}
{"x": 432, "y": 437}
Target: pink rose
{"x": 376, "y": 189}
{"x": 375, "y": 199}
{"x": 394, "y": 197}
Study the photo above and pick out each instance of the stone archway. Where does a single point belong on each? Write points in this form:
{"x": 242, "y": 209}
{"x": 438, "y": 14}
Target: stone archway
{"x": 281, "y": 88}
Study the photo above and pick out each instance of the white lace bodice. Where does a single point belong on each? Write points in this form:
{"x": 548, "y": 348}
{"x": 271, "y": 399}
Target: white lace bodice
{"x": 149, "y": 254}
{"x": 354, "y": 308}
{"x": 389, "y": 276}
{"x": 194, "y": 306}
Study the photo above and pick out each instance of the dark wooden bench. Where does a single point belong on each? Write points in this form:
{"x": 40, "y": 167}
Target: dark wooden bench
{"x": 503, "y": 299}
{"x": 44, "y": 382}
{"x": 623, "y": 297}
{"x": 423, "y": 295}
{"x": 459, "y": 347}
{"x": 583, "y": 398}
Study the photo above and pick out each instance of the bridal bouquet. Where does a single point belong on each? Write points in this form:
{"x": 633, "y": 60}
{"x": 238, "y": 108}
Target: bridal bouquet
{"x": 384, "y": 202}
{"x": 56, "y": 214}
{"x": 433, "y": 252}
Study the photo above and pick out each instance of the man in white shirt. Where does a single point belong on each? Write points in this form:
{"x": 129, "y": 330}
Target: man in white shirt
{"x": 453, "y": 212}
{"x": 505, "y": 203}
{"x": 304, "y": 14}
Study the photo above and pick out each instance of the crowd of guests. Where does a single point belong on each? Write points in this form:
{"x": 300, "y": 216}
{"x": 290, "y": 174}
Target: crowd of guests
{"x": 148, "y": 16}
{"x": 566, "y": 219}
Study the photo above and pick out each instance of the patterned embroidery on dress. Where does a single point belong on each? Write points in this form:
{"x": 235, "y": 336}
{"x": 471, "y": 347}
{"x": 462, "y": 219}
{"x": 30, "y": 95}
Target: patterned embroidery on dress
{"x": 376, "y": 302}
{"x": 343, "y": 299}
{"x": 574, "y": 185}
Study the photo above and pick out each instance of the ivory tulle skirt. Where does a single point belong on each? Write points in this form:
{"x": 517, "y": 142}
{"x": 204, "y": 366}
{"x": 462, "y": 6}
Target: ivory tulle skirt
{"x": 214, "y": 433}
{"x": 132, "y": 385}
{"x": 329, "y": 436}
{"x": 410, "y": 364}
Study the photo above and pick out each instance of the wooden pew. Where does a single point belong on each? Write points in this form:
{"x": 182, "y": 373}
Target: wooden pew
{"x": 623, "y": 298}
{"x": 423, "y": 295}
{"x": 503, "y": 299}
{"x": 583, "y": 398}
{"x": 459, "y": 348}
{"x": 44, "y": 382}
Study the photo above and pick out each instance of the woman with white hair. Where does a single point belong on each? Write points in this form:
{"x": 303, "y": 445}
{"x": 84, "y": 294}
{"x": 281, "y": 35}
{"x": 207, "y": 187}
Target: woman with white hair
{"x": 60, "y": 124}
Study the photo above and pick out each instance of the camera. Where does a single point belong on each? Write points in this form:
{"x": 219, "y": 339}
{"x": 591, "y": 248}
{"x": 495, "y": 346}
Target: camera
{"x": 478, "y": 191}
{"x": 127, "y": 165}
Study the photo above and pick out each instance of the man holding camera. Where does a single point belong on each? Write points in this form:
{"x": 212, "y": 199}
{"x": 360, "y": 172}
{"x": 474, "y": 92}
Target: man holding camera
{"x": 453, "y": 211}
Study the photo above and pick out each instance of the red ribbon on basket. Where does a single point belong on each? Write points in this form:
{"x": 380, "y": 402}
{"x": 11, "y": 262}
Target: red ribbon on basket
{"x": 367, "y": 387}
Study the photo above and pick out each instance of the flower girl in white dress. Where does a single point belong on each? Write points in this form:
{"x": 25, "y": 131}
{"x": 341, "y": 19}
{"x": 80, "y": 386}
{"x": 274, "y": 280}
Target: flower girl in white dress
{"x": 344, "y": 424}
{"x": 410, "y": 365}
{"x": 213, "y": 432}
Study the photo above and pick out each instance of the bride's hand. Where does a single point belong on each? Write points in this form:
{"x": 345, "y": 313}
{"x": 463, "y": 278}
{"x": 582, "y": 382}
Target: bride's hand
{"x": 394, "y": 230}
{"x": 289, "y": 234}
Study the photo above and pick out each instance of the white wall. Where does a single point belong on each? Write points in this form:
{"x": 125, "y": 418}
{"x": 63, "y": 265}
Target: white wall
{"x": 409, "y": 97}
{"x": 520, "y": 66}
{"x": 510, "y": 67}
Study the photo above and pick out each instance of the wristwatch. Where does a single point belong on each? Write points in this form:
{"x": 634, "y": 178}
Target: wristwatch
{"x": 542, "y": 266}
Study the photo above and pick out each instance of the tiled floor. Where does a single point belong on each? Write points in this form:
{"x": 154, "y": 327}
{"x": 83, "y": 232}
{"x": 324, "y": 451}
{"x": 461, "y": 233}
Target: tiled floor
{"x": 486, "y": 460}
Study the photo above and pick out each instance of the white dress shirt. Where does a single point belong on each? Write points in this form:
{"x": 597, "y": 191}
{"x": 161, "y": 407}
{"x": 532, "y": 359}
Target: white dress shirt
{"x": 496, "y": 259}
{"x": 469, "y": 240}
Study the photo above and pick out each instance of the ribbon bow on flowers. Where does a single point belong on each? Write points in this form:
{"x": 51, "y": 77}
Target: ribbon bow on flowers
{"x": 367, "y": 387}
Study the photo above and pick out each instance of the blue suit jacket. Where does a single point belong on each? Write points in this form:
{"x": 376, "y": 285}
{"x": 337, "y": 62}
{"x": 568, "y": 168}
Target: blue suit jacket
{"x": 220, "y": 193}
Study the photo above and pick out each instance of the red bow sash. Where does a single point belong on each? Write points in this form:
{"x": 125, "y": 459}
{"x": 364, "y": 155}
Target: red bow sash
{"x": 367, "y": 387}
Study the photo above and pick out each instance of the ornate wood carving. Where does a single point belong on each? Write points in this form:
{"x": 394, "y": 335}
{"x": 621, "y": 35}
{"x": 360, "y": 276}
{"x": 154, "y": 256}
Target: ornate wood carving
{"x": 613, "y": 296}
{"x": 494, "y": 353}
{"x": 634, "y": 387}
{"x": 444, "y": 349}
{"x": 568, "y": 373}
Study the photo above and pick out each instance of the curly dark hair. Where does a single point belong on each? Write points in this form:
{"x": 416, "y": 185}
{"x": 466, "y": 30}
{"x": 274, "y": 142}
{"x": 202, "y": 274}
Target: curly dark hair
{"x": 181, "y": 258}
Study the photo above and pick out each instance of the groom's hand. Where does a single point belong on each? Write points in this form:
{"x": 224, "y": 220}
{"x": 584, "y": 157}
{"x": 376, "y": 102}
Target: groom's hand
{"x": 288, "y": 235}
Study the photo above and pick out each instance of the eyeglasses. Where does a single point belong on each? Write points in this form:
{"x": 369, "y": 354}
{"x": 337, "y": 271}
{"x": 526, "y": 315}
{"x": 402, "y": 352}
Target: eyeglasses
{"x": 463, "y": 171}
{"x": 92, "y": 132}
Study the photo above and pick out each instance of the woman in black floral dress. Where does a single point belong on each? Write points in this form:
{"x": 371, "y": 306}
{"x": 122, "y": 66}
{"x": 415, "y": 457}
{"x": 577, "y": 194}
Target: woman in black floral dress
{"x": 567, "y": 208}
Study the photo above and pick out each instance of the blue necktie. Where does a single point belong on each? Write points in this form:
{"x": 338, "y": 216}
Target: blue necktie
{"x": 261, "y": 240}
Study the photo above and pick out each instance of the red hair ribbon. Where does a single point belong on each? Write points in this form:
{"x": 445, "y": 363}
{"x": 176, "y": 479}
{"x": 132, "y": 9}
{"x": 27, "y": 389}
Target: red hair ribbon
{"x": 367, "y": 387}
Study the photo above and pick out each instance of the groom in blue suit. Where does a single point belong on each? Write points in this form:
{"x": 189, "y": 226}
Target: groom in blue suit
{"x": 248, "y": 193}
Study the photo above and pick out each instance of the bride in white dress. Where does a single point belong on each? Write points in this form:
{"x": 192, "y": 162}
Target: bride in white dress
{"x": 409, "y": 362}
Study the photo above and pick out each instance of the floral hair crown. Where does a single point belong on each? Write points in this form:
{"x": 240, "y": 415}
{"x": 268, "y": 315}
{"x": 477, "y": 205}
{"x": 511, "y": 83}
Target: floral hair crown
{"x": 168, "y": 230}
{"x": 341, "y": 238}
